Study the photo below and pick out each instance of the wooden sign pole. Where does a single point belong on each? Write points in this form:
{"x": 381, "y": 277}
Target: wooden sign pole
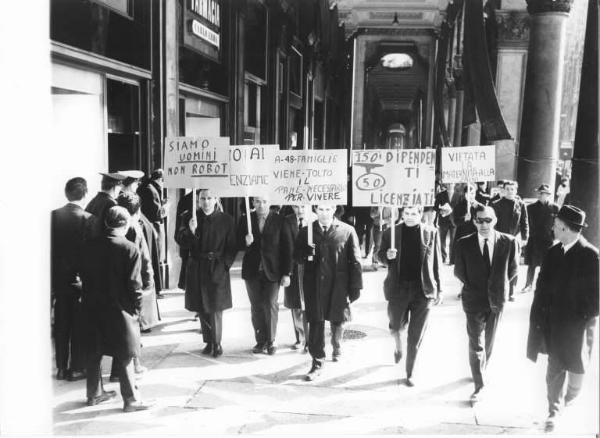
{"x": 194, "y": 203}
{"x": 248, "y": 220}
{"x": 310, "y": 228}
{"x": 393, "y": 229}
{"x": 381, "y": 218}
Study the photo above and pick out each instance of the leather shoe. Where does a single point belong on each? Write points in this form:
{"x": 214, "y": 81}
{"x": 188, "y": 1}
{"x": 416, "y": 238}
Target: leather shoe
{"x": 477, "y": 395}
{"x": 296, "y": 346}
{"x": 135, "y": 406}
{"x": 73, "y": 376}
{"x": 105, "y": 396}
{"x": 315, "y": 371}
{"x": 409, "y": 382}
{"x": 61, "y": 374}
{"x": 550, "y": 423}
{"x": 217, "y": 350}
{"x": 259, "y": 348}
{"x": 511, "y": 299}
{"x": 397, "y": 356}
{"x": 113, "y": 379}
{"x": 208, "y": 349}
{"x": 271, "y": 349}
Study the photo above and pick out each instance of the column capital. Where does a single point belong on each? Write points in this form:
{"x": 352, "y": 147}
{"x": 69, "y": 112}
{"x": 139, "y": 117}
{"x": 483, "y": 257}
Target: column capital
{"x": 540, "y": 6}
{"x": 513, "y": 28}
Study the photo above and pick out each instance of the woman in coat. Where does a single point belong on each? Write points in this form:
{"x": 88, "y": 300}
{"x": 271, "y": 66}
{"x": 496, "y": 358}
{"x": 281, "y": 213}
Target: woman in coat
{"x": 210, "y": 237}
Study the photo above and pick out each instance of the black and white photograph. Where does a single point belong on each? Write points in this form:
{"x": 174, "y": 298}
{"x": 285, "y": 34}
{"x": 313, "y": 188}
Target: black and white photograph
{"x": 299, "y": 217}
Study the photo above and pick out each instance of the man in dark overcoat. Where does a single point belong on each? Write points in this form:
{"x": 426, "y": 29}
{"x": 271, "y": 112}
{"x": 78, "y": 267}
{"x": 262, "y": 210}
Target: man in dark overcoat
{"x": 110, "y": 187}
{"x": 412, "y": 284}
{"x": 210, "y": 238}
{"x": 331, "y": 281}
{"x": 111, "y": 299}
{"x": 292, "y": 298}
{"x": 486, "y": 262}
{"x": 541, "y": 217}
{"x": 564, "y": 312}
{"x": 444, "y": 221}
{"x": 184, "y": 208}
{"x": 512, "y": 220}
{"x": 153, "y": 208}
{"x": 68, "y": 228}
{"x": 266, "y": 265}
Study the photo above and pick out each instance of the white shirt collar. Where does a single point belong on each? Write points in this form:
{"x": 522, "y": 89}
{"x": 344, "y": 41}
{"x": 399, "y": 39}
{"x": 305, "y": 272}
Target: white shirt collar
{"x": 569, "y": 245}
{"x": 491, "y": 240}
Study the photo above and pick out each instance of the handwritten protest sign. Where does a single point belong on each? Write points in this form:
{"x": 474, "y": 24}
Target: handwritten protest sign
{"x": 468, "y": 164}
{"x": 393, "y": 177}
{"x": 196, "y": 162}
{"x": 249, "y": 170}
{"x": 309, "y": 177}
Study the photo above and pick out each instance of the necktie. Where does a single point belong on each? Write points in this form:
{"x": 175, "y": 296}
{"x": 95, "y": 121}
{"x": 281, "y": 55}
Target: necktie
{"x": 300, "y": 223}
{"x": 486, "y": 255}
{"x": 324, "y": 230}
{"x": 261, "y": 223}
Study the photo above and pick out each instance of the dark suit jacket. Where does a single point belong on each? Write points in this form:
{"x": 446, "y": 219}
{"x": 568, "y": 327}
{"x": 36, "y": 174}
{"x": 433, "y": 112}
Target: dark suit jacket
{"x": 479, "y": 292}
{"x": 429, "y": 254}
{"x": 334, "y": 276}
{"x": 512, "y": 217}
{"x": 291, "y": 298}
{"x": 68, "y": 225}
{"x": 565, "y": 306}
{"x": 112, "y": 295}
{"x": 98, "y": 207}
{"x": 273, "y": 247}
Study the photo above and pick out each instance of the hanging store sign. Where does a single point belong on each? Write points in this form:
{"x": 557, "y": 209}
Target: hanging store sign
{"x": 393, "y": 177}
{"x": 203, "y": 27}
{"x": 468, "y": 164}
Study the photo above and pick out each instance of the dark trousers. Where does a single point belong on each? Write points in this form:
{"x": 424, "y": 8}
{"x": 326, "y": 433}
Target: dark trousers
{"x": 377, "y": 235}
{"x": 300, "y": 325}
{"x": 410, "y": 309}
{"x": 481, "y": 329}
{"x": 363, "y": 230}
{"x": 264, "y": 308}
{"x": 124, "y": 368}
{"x": 530, "y": 275}
{"x": 316, "y": 339}
{"x": 68, "y": 341}
{"x": 211, "y": 324}
{"x": 446, "y": 232}
{"x": 555, "y": 382}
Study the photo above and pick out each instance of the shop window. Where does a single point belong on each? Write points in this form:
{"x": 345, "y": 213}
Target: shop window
{"x": 123, "y": 116}
{"x": 124, "y": 7}
{"x": 255, "y": 47}
{"x": 201, "y": 117}
{"x": 296, "y": 72}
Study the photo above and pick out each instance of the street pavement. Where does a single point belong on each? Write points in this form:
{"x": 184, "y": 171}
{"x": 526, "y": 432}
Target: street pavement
{"x": 245, "y": 393}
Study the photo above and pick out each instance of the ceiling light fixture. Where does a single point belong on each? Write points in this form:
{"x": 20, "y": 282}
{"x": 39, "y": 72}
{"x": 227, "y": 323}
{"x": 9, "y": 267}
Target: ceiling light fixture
{"x": 397, "y": 61}
{"x": 395, "y": 21}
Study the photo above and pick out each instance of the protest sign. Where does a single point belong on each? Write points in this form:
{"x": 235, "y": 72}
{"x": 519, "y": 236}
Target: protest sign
{"x": 309, "y": 176}
{"x": 468, "y": 164}
{"x": 196, "y": 162}
{"x": 249, "y": 170}
{"x": 393, "y": 177}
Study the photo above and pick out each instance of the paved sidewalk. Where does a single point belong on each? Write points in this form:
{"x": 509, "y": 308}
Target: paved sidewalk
{"x": 241, "y": 392}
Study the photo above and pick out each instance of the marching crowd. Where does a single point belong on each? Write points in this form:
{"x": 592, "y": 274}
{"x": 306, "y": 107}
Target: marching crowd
{"x": 106, "y": 275}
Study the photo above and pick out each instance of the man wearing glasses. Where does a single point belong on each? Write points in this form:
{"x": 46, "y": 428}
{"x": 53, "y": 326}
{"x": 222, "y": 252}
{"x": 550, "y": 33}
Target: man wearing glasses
{"x": 486, "y": 262}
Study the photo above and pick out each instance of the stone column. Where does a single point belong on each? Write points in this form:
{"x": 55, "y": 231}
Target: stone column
{"x": 538, "y": 145}
{"x": 584, "y": 181}
{"x": 170, "y": 90}
{"x": 513, "y": 39}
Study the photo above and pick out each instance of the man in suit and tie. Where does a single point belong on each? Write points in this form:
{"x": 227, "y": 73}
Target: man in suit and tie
{"x": 68, "y": 228}
{"x": 293, "y": 298}
{"x": 564, "y": 312}
{"x": 267, "y": 264}
{"x": 412, "y": 284}
{"x": 486, "y": 262}
{"x": 332, "y": 279}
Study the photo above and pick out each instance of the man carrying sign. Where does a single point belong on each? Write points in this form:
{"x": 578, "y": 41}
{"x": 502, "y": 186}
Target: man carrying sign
{"x": 332, "y": 279}
{"x": 267, "y": 264}
{"x": 413, "y": 283}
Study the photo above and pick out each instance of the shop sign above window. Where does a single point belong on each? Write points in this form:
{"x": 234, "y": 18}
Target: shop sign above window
{"x": 203, "y": 26}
